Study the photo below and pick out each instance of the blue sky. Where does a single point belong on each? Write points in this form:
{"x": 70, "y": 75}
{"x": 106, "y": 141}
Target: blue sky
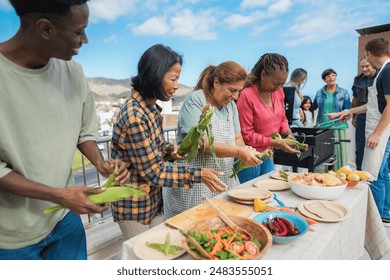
{"x": 314, "y": 35}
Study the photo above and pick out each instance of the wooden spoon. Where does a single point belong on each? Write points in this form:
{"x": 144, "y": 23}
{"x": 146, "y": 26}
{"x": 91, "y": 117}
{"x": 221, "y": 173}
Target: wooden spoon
{"x": 196, "y": 244}
{"x": 225, "y": 218}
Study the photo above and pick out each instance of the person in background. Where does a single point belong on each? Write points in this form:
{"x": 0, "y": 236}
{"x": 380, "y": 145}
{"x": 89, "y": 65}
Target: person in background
{"x": 298, "y": 79}
{"x": 359, "y": 91}
{"x": 332, "y": 98}
{"x": 377, "y": 109}
{"x": 138, "y": 139}
{"x": 47, "y": 111}
{"x": 262, "y": 113}
{"x": 218, "y": 86}
{"x": 307, "y": 112}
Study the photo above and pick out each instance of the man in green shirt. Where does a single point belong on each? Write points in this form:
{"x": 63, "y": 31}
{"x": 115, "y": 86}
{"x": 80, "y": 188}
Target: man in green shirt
{"x": 46, "y": 112}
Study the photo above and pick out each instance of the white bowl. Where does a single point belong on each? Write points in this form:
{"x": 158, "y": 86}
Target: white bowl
{"x": 316, "y": 192}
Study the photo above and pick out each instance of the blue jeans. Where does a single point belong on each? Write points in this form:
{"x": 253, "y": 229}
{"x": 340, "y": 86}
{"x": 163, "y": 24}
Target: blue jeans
{"x": 67, "y": 241}
{"x": 250, "y": 173}
{"x": 360, "y": 139}
{"x": 381, "y": 187}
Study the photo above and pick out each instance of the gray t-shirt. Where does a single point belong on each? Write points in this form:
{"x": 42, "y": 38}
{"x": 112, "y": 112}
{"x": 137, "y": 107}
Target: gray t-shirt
{"x": 44, "y": 114}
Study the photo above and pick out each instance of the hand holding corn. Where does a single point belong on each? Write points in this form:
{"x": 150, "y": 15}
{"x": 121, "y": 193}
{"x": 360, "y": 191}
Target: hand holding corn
{"x": 83, "y": 200}
{"x": 175, "y": 155}
{"x": 121, "y": 172}
{"x": 248, "y": 155}
{"x": 288, "y": 144}
{"x": 190, "y": 143}
{"x": 240, "y": 165}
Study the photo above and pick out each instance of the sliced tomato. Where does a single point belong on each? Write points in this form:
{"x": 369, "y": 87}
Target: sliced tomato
{"x": 251, "y": 247}
{"x": 245, "y": 237}
{"x": 237, "y": 247}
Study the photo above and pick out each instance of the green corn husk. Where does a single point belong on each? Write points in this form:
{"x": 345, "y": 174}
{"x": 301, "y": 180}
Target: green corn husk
{"x": 166, "y": 247}
{"x": 283, "y": 174}
{"x": 111, "y": 180}
{"x": 190, "y": 142}
{"x": 240, "y": 165}
{"x": 111, "y": 194}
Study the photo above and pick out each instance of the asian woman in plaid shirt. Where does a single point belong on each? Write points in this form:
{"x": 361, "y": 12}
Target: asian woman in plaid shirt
{"x": 138, "y": 139}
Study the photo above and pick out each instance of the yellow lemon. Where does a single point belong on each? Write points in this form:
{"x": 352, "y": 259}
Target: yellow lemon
{"x": 259, "y": 205}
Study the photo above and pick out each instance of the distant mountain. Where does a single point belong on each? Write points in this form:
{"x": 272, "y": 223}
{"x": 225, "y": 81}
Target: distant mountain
{"x": 113, "y": 90}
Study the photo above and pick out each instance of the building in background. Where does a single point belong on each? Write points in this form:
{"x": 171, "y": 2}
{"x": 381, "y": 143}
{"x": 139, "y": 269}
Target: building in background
{"x": 368, "y": 33}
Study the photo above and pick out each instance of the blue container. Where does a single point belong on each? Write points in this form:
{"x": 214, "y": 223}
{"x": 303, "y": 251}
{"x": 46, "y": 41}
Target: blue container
{"x": 295, "y": 220}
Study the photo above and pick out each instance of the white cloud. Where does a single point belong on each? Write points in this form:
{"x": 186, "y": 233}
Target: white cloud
{"x": 254, "y": 3}
{"x": 152, "y": 26}
{"x": 5, "y": 5}
{"x": 183, "y": 24}
{"x": 113, "y": 38}
{"x": 236, "y": 20}
{"x": 279, "y": 7}
{"x": 195, "y": 26}
{"x": 110, "y": 10}
{"x": 324, "y": 26}
{"x": 152, "y": 5}
{"x": 258, "y": 30}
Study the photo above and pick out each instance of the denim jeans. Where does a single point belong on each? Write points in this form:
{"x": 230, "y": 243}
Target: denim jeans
{"x": 250, "y": 173}
{"x": 381, "y": 187}
{"x": 360, "y": 139}
{"x": 67, "y": 241}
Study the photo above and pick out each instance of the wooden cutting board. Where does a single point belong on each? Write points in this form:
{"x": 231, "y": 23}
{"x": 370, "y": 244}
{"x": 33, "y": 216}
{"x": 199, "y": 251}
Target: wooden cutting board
{"x": 187, "y": 218}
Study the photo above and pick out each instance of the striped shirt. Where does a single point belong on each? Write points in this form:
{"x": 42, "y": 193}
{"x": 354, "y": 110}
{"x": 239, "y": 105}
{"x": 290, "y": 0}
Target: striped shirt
{"x": 138, "y": 138}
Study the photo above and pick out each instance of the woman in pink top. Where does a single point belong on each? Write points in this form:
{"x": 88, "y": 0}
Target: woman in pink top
{"x": 261, "y": 111}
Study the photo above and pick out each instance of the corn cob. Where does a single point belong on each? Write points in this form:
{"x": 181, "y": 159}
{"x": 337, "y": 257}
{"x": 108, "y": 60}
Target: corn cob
{"x": 240, "y": 165}
{"x": 190, "y": 143}
{"x": 297, "y": 145}
{"x": 111, "y": 194}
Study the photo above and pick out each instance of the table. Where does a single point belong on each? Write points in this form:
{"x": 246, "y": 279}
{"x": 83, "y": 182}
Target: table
{"x": 344, "y": 240}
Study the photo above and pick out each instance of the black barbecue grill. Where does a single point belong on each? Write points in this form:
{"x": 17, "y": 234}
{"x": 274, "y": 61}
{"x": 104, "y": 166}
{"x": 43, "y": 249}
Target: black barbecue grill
{"x": 320, "y": 153}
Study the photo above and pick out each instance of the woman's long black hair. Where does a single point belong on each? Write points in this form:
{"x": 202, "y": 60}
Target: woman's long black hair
{"x": 153, "y": 65}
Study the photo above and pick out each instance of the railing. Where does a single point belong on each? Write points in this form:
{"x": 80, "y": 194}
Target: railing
{"x": 170, "y": 135}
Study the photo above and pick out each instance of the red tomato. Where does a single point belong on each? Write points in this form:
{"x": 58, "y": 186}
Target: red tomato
{"x": 237, "y": 247}
{"x": 245, "y": 237}
{"x": 251, "y": 247}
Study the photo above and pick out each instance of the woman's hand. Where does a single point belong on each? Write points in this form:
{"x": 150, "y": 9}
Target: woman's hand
{"x": 210, "y": 179}
{"x": 175, "y": 155}
{"x": 284, "y": 145}
{"x": 248, "y": 156}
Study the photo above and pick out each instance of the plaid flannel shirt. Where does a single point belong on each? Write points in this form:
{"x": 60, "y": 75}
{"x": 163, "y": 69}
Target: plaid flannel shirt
{"x": 138, "y": 138}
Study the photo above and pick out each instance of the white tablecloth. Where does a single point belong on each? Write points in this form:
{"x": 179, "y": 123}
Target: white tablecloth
{"x": 343, "y": 240}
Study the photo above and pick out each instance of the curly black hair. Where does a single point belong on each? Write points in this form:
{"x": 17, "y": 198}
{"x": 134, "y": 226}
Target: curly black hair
{"x": 268, "y": 62}
{"x": 58, "y": 7}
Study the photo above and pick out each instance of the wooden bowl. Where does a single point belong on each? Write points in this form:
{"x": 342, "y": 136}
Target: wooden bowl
{"x": 255, "y": 229}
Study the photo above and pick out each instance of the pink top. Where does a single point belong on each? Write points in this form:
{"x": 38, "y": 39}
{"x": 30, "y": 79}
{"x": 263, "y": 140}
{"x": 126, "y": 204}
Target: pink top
{"x": 258, "y": 122}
